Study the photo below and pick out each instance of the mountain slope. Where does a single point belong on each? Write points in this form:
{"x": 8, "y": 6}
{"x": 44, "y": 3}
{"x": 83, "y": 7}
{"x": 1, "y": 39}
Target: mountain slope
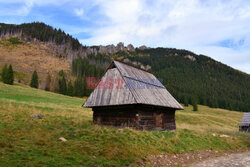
{"x": 27, "y": 57}
{"x": 189, "y": 77}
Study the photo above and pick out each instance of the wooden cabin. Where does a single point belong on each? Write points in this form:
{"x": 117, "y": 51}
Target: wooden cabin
{"x": 244, "y": 126}
{"x": 128, "y": 96}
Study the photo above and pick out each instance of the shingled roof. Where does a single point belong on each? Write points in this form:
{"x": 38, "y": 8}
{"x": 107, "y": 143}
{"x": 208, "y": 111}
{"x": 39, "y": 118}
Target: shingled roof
{"x": 245, "y": 120}
{"x": 136, "y": 87}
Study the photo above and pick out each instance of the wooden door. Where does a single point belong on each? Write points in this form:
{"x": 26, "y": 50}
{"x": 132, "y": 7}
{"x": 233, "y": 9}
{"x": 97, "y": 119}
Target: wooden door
{"x": 158, "y": 120}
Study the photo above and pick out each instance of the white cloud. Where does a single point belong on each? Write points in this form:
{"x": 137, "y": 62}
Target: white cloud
{"x": 24, "y": 7}
{"x": 182, "y": 24}
{"x": 79, "y": 12}
{"x": 196, "y": 25}
{"x": 236, "y": 59}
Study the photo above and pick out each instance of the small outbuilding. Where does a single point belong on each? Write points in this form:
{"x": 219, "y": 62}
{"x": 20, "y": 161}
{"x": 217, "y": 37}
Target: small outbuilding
{"x": 127, "y": 96}
{"x": 244, "y": 126}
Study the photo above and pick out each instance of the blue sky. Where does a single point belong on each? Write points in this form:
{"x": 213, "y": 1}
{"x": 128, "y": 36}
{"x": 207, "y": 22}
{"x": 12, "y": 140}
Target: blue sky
{"x": 217, "y": 28}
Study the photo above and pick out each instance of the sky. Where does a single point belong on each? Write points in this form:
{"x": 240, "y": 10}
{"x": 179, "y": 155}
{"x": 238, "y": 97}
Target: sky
{"x": 217, "y": 28}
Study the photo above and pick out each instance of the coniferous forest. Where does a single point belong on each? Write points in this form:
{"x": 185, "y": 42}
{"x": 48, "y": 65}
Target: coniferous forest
{"x": 40, "y": 31}
{"x": 202, "y": 80}
{"x": 195, "y": 80}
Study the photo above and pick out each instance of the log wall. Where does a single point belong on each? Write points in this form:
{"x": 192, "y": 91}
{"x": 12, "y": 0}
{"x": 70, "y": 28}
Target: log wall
{"x": 136, "y": 117}
{"x": 244, "y": 129}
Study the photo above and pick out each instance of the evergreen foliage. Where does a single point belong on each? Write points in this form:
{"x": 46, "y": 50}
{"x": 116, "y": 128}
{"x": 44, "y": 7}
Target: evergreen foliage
{"x": 15, "y": 41}
{"x": 194, "y": 104}
{"x": 78, "y": 87}
{"x": 83, "y": 67}
{"x": 34, "y": 80}
{"x": 185, "y": 101}
{"x": 7, "y": 74}
{"x": 213, "y": 83}
{"x": 40, "y": 31}
{"x": 47, "y": 82}
{"x": 70, "y": 89}
{"x": 10, "y": 75}
{"x": 62, "y": 86}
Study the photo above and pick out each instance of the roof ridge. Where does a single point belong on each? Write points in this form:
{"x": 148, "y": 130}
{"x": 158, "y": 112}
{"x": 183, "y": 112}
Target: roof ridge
{"x": 131, "y": 65}
{"x": 137, "y": 74}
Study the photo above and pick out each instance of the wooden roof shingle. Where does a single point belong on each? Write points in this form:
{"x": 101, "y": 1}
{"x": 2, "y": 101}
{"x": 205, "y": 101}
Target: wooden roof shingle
{"x": 137, "y": 87}
{"x": 245, "y": 120}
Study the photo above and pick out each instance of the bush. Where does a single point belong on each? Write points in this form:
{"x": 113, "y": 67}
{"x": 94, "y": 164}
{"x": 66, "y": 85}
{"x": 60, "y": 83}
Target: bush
{"x": 15, "y": 41}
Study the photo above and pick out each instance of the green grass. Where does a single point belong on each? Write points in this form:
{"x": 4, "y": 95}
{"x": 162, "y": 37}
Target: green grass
{"x": 26, "y": 142}
{"x": 15, "y": 41}
{"x": 11, "y": 42}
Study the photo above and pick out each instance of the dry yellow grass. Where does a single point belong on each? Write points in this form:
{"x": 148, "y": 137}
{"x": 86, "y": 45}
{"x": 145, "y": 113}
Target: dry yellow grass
{"x": 26, "y": 58}
{"x": 208, "y": 119}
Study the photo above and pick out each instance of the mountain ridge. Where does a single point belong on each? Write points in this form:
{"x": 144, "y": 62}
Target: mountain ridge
{"x": 188, "y": 76}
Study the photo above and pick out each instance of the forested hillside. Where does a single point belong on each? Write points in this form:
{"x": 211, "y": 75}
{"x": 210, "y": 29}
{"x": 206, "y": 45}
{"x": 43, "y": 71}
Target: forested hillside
{"x": 40, "y": 31}
{"x": 189, "y": 77}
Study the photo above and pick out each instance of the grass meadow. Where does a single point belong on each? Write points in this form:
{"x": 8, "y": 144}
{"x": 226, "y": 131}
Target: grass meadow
{"x": 26, "y": 141}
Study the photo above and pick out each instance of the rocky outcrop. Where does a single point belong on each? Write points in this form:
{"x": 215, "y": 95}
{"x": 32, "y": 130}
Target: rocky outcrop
{"x": 112, "y": 49}
{"x": 109, "y": 49}
{"x": 137, "y": 64}
{"x": 120, "y": 46}
{"x": 130, "y": 48}
{"x": 143, "y": 47}
{"x": 192, "y": 58}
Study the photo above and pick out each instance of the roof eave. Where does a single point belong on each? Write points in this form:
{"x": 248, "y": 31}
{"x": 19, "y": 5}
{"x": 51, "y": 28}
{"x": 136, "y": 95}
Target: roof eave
{"x": 92, "y": 106}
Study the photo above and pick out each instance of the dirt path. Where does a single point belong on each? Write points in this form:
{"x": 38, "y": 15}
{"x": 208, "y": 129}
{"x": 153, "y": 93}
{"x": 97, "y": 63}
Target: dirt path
{"x": 202, "y": 158}
{"x": 239, "y": 159}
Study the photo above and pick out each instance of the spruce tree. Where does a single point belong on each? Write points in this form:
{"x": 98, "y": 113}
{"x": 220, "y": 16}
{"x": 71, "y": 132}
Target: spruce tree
{"x": 62, "y": 86}
{"x": 10, "y": 75}
{"x": 79, "y": 87}
{"x": 194, "y": 104}
{"x": 185, "y": 101}
{"x": 47, "y": 83}
{"x": 34, "y": 80}
{"x": 70, "y": 89}
{"x": 5, "y": 74}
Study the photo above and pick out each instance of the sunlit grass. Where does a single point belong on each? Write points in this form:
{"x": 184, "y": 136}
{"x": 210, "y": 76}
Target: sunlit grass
{"x": 26, "y": 141}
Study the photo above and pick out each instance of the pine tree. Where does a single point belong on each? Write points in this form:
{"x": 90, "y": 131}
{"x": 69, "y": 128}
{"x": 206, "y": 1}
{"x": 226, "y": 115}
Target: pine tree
{"x": 85, "y": 87}
{"x": 70, "y": 89}
{"x": 47, "y": 83}
{"x": 5, "y": 74}
{"x": 185, "y": 101}
{"x": 79, "y": 87}
{"x": 62, "y": 86}
{"x": 10, "y": 75}
{"x": 34, "y": 80}
{"x": 194, "y": 104}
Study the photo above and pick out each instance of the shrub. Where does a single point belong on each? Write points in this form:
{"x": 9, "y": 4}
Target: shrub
{"x": 15, "y": 41}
